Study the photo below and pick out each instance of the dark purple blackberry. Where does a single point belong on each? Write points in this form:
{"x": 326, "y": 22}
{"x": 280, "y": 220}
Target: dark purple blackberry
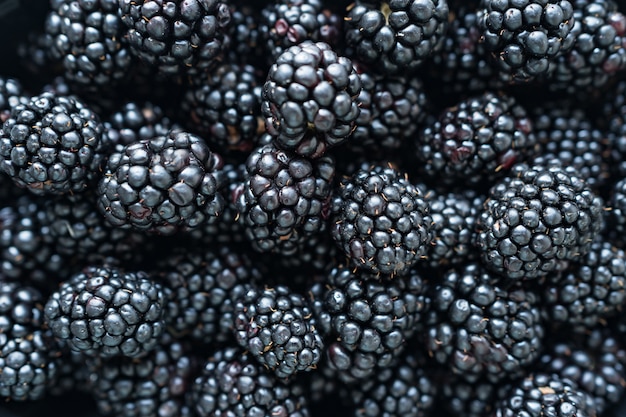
{"x": 477, "y": 140}
{"x": 225, "y": 107}
{"x": 310, "y": 99}
{"x": 72, "y": 374}
{"x": 277, "y": 328}
{"x": 53, "y": 145}
{"x": 590, "y": 291}
{"x": 616, "y": 215}
{"x": 381, "y": 221}
{"x": 87, "y": 36}
{"x": 525, "y": 38}
{"x": 162, "y": 185}
{"x": 462, "y": 398}
{"x": 394, "y": 37}
{"x": 11, "y": 94}
{"x": 614, "y": 111}
{"x": 536, "y": 220}
{"x": 233, "y": 384}
{"x": 103, "y": 311}
{"x": 135, "y": 122}
{"x": 177, "y": 37}
{"x": 247, "y": 47}
{"x": 480, "y": 329}
{"x": 284, "y": 199}
{"x": 366, "y": 321}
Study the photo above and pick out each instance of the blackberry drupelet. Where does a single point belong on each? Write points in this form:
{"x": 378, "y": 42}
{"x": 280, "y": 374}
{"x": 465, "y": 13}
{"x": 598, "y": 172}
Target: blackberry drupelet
{"x": 177, "y": 38}
{"x": 134, "y": 122}
{"x": 233, "y": 384}
{"x": 381, "y": 221}
{"x": 475, "y": 141}
{"x": 393, "y": 36}
{"x": 162, "y": 185}
{"x": 11, "y": 94}
{"x": 480, "y": 329}
{"x": 53, "y": 145}
{"x": 284, "y": 199}
{"x": 536, "y": 220}
{"x": 310, "y": 99}
{"x": 277, "y": 328}
{"x": 106, "y": 312}
{"x": 366, "y": 321}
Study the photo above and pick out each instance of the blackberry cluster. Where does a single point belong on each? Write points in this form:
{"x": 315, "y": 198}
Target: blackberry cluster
{"x": 11, "y": 92}
{"x": 137, "y": 121}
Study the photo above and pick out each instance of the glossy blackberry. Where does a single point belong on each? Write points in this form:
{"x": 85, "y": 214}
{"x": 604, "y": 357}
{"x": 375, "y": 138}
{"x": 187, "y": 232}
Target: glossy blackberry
{"x": 395, "y": 36}
{"x": 284, "y": 198}
{"x": 247, "y": 46}
{"x": 134, "y": 122}
{"x": 614, "y": 111}
{"x": 526, "y": 38}
{"x": 590, "y": 291}
{"x": 53, "y": 145}
{"x": 162, "y": 185}
{"x": 616, "y": 215}
{"x": 459, "y": 397}
{"x": 381, "y": 221}
{"x": 72, "y": 374}
{"x": 177, "y": 37}
{"x": 277, "y": 328}
{"x": 480, "y": 329}
{"x": 536, "y": 220}
{"x": 103, "y": 311}
{"x": 476, "y": 141}
{"x": 233, "y": 384}
{"x": 366, "y": 321}
{"x": 204, "y": 284}
{"x": 11, "y": 94}
{"x": 224, "y": 107}
{"x": 310, "y": 99}
{"x": 88, "y": 38}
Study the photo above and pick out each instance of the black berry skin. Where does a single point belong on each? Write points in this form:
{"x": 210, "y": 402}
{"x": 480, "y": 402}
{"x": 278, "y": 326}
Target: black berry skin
{"x": 310, "y": 99}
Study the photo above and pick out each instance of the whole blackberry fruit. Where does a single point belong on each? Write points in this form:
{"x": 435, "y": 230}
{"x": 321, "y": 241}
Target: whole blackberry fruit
{"x": 247, "y": 46}
{"x": 276, "y": 327}
{"x": 162, "y": 185}
{"x": 526, "y": 38}
{"x": 53, "y": 145}
{"x": 310, "y": 99}
{"x": 536, "y": 220}
{"x": 477, "y": 140}
{"x": 103, "y": 311}
{"x": 613, "y": 114}
{"x": 480, "y": 329}
{"x": 137, "y": 121}
{"x": 616, "y": 216}
{"x": 11, "y": 94}
{"x": 395, "y": 36}
{"x": 284, "y": 198}
{"x": 177, "y": 37}
{"x": 366, "y": 321}
{"x": 233, "y": 384}
{"x": 462, "y": 398}
{"x": 381, "y": 221}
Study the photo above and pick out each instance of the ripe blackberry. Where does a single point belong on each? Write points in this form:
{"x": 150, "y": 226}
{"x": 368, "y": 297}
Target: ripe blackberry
{"x": 480, "y": 329}
{"x": 103, "y": 311}
{"x": 224, "y": 107}
{"x": 536, "y": 220}
{"x": 247, "y": 47}
{"x": 310, "y": 99}
{"x": 395, "y": 36}
{"x": 162, "y": 185}
{"x": 53, "y": 145}
{"x": 366, "y": 321}
{"x": 381, "y": 221}
{"x": 134, "y": 122}
{"x": 11, "y": 94}
{"x": 276, "y": 327}
{"x": 462, "y": 398}
{"x": 233, "y": 384}
{"x": 525, "y": 38}
{"x": 614, "y": 111}
{"x": 616, "y": 216}
{"x": 177, "y": 38}
{"x": 72, "y": 374}
{"x": 477, "y": 140}
{"x": 283, "y": 199}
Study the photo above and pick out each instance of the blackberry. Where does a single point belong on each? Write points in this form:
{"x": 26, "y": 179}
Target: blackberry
{"x": 224, "y": 106}
{"x": 284, "y": 198}
{"x": 310, "y": 99}
{"x": 395, "y": 36}
{"x": 276, "y": 327}
{"x": 134, "y": 122}
{"x": 536, "y": 220}
{"x": 480, "y": 329}
{"x": 460, "y": 397}
{"x": 177, "y": 38}
{"x": 381, "y": 221}
{"x": 103, "y": 311}
{"x": 72, "y": 374}
{"x": 590, "y": 291}
{"x": 477, "y": 140}
{"x": 614, "y": 111}
{"x": 162, "y": 185}
{"x": 233, "y": 384}
{"x": 616, "y": 215}
{"x": 11, "y": 94}
{"x": 366, "y": 321}
{"x": 53, "y": 145}
{"x": 526, "y": 38}
{"x": 247, "y": 46}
